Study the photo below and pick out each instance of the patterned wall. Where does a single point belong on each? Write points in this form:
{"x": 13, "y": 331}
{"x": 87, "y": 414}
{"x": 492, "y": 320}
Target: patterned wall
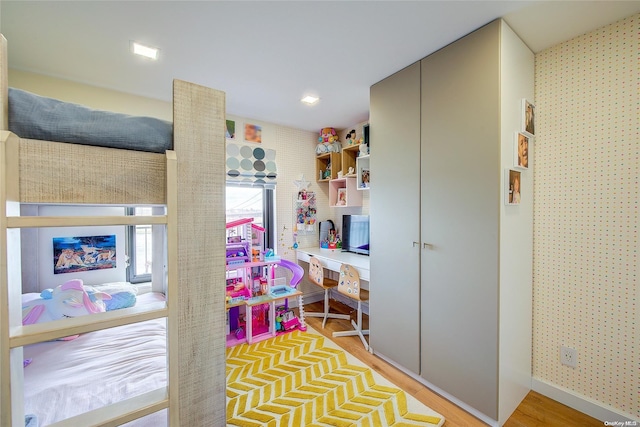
{"x": 586, "y": 219}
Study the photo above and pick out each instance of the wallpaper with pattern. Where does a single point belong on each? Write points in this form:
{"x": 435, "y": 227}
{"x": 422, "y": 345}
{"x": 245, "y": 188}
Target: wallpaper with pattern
{"x": 586, "y": 220}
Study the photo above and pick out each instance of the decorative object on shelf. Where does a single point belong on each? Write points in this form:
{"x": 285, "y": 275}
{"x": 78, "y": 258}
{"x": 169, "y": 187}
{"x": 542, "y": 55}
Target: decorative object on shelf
{"x": 364, "y": 150}
{"x": 351, "y": 171}
{"x": 364, "y": 178}
{"x": 528, "y": 117}
{"x": 351, "y": 137}
{"x": 521, "y": 151}
{"x": 252, "y": 133}
{"x": 230, "y": 129}
{"x": 328, "y": 141}
{"x": 512, "y": 193}
{"x": 342, "y": 197}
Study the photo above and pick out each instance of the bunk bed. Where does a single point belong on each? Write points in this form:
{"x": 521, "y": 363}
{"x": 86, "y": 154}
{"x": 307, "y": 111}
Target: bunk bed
{"x": 186, "y": 188}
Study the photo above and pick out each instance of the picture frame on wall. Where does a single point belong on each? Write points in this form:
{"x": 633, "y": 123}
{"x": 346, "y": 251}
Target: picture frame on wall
{"x": 528, "y": 118}
{"x": 84, "y": 253}
{"x": 252, "y": 133}
{"x": 521, "y": 144}
{"x": 513, "y": 187}
{"x": 230, "y": 129}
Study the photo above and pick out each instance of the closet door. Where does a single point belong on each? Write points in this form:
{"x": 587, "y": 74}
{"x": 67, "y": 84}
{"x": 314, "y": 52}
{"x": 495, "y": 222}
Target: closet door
{"x": 394, "y": 314}
{"x": 461, "y": 199}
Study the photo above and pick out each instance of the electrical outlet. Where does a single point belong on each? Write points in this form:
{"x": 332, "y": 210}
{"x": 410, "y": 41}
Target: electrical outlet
{"x": 569, "y": 356}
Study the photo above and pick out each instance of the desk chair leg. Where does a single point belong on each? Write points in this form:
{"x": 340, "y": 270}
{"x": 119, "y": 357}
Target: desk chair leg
{"x": 325, "y": 314}
{"x": 357, "y": 329}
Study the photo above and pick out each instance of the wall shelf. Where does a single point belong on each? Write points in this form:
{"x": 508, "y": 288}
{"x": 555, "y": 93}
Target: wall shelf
{"x": 362, "y": 172}
{"x": 349, "y": 156}
{"x": 322, "y": 163}
{"x": 347, "y": 186}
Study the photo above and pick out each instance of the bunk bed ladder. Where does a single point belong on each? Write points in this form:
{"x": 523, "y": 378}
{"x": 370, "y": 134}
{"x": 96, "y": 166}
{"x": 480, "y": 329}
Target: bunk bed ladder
{"x": 13, "y": 336}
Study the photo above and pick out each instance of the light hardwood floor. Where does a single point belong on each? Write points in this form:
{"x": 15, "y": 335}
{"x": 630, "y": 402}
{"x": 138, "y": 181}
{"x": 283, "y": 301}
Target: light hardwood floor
{"x": 535, "y": 411}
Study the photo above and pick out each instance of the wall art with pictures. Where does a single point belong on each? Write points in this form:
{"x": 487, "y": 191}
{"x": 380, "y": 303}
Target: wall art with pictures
{"x": 512, "y": 187}
{"x": 252, "y": 133}
{"x": 230, "y": 129}
{"x": 74, "y": 254}
{"x": 528, "y": 117}
{"x": 521, "y": 144}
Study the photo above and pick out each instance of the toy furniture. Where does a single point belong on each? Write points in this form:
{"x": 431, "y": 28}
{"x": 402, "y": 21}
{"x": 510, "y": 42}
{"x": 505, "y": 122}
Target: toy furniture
{"x": 316, "y": 275}
{"x": 349, "y": 285}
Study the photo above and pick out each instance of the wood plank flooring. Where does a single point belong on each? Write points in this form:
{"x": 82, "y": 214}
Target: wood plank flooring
{"x": 535, "y": 411}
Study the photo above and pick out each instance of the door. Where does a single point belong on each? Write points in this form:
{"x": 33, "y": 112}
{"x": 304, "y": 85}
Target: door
{"x": 460, "y": 218}
{"x": 394, "y": 312}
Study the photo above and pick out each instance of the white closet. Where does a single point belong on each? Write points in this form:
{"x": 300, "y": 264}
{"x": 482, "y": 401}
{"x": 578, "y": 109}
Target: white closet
{"x": 450, "y": 263}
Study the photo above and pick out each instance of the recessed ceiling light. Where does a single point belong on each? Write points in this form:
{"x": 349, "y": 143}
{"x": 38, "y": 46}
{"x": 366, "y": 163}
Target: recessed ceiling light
{"x": 310, "y": 100}
{"x": 146, "y": 51}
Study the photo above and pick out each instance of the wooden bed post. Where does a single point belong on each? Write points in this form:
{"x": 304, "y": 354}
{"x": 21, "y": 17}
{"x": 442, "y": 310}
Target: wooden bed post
{"x": 11, "y": 368}
{"x": 197, "y": 333}
{"x": 4, "y": 84}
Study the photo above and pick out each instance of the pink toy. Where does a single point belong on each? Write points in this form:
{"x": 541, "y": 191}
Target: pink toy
{"x": 67, "y": 300}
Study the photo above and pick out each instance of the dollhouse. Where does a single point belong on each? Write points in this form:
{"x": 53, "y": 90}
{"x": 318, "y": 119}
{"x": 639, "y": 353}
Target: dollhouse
{"x": 251, "y": 288}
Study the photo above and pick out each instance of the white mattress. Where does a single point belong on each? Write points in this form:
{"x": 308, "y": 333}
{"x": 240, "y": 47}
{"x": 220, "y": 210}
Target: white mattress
{"x": 67, "y": 378}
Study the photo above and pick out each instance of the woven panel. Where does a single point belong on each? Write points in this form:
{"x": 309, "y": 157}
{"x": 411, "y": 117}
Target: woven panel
{"x": 199, "y": 142}
{"x": 54, "y": 172}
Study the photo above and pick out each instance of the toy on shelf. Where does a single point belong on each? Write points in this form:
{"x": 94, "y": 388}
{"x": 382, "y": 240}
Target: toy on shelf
{"x": 328, "y": 141}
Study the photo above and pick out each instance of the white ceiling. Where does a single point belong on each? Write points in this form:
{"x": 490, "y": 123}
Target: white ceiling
{"x": 266, "y": 55}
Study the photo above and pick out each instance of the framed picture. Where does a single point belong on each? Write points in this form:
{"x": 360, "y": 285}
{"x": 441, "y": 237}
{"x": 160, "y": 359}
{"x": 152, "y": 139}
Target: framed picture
{"x": 74, "y": 254}
{"x": 528, "y": 117}
{"x": 364, "y": 178}
{"x": 342, "y": 197}
{"x": 512, "y": 184}
{"x": 230, "y": 129}
{"x": 252, "y": 133}
{"x": 521, "y": 150}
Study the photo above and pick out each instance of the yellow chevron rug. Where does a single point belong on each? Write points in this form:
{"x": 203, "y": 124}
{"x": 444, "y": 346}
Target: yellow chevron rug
{"x": 303, "y": 379}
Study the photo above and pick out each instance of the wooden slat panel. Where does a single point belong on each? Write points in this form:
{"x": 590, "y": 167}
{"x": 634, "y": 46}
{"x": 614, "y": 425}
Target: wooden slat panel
{"x": 31, "y": 334}
{"x": 122, "y": 412}
{"x": 199, "y": 142}
{"x": 82, "y": 221}
{"x": 55, "y": 172}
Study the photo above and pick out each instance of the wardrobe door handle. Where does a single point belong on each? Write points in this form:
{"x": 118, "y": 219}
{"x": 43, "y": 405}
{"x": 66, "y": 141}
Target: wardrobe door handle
{"x": 427, "y": 246}
{"x": 416, "y": 244}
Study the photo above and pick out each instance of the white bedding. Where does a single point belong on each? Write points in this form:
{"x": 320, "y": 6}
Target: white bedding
{"x": 67, "y": 378}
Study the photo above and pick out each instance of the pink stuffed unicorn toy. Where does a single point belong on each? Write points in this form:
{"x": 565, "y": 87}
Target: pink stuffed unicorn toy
{"x": 67, "y": 300}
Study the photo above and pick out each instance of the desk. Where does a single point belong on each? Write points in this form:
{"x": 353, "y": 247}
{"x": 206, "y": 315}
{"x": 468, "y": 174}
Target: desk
{"x": 332, "y": 259}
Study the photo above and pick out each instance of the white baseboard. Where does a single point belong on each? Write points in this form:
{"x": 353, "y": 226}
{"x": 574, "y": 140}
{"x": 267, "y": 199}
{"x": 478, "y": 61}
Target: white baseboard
{"x": 482, "y": 417}
{"x": 584, "y": 404}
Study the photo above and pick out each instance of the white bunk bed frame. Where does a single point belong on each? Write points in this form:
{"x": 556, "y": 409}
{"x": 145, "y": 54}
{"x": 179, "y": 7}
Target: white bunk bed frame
{"x": 188, "y": 237}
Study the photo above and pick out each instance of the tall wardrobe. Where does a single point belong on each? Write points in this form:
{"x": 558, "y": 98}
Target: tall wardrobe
{"x": 451, "y": 263}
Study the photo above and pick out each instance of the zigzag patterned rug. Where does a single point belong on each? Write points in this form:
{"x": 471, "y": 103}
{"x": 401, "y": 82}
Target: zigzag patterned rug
{"x": 302, "y": 379}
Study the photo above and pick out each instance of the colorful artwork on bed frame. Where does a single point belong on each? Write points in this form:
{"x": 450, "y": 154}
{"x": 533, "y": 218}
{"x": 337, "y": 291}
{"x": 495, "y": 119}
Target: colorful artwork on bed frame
{"x": 74, "y": 254}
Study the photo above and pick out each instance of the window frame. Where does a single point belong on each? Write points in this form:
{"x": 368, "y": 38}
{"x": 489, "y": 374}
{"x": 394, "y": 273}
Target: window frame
{"x": 268, "y": 210}
{"x": 132, "y": 277}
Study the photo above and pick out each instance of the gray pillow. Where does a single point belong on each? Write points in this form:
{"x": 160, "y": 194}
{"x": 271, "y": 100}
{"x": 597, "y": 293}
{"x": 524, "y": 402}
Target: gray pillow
{"x": 35, "y": 117}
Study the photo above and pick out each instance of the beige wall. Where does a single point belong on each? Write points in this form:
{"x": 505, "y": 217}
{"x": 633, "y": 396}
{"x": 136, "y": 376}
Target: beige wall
{"x": 586, "y": 216}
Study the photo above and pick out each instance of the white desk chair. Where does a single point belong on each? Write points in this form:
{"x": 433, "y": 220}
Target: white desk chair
{"x": 349, "y": 285}
{"x": 316, "y": 275}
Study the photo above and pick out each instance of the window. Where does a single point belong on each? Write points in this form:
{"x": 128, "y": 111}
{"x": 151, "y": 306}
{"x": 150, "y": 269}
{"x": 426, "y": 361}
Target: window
{"x": 139, "y": 248}
{"x": 255, "y": 202}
